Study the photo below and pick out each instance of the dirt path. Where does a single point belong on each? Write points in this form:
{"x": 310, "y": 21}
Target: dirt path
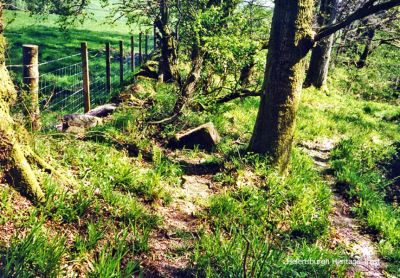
{"x": 172, "y": 244}
{"x": 346, "y": 229}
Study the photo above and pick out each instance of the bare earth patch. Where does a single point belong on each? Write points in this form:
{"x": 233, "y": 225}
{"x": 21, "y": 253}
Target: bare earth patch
{"x": 172, "y": 244}
{"x": 346, "y": 230}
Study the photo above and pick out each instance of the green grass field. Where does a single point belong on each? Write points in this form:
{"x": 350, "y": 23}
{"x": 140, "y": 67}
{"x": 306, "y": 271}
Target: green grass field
{"x": 55, "y": 43}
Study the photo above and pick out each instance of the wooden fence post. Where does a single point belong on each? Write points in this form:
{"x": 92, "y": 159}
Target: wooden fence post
{"x": 121, "y": 63}
{"x": 108, "y": 68}
{"x": 146, "y": 46}
{"x": 85, "y": 77}
{"x": 30, "y": 61}
{"x": 140, "y": 48}
{"x": 132, "y": 54}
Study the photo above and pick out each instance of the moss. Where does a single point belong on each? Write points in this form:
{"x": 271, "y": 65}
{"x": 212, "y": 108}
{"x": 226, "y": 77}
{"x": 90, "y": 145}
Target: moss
{"x": 12, "y": 156}
{"x": 289, "y": 44}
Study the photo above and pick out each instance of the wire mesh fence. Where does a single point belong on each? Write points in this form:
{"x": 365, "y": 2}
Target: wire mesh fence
{"x": 61, "y": 89}
{"x": 61, "y": 80}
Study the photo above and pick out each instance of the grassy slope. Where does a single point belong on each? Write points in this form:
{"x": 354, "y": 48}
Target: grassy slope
{"x": 54, "y": 43}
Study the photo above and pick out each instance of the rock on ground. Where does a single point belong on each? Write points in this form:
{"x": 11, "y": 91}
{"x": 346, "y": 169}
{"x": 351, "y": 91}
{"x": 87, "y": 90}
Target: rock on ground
{"x": 80, "y": 121}
{"x": 205, "y": 137}
{"x": 102, "y": 110}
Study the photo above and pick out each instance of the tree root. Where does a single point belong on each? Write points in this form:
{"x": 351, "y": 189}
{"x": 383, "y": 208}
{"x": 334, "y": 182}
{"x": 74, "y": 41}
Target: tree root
{"x": 34, "y": 158}
{"x": 24, "y": 173}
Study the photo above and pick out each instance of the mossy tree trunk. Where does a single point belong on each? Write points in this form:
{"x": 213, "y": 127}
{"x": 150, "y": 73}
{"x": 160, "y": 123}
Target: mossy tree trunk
{"x": 12, "y": 153}
{"x": 367, "y": 49}
{"x": 321, "y": 54}
{"x": 189, "y": 86}
{"x": 167, "y": 67}
{"x": 290, "y": 40}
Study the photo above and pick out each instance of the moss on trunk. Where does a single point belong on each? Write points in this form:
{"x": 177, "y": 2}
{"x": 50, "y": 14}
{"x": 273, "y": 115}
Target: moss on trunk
{"x": 290, "y": 40}
{"x": 12, "y": 156}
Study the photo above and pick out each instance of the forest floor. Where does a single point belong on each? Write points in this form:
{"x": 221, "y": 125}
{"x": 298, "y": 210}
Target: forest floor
{"x": 137, "y": 207}
{"x": 172, "y": 243}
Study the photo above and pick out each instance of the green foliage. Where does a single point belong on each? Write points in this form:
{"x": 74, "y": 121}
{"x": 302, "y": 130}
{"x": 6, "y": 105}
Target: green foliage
{"x": 356, "y": 163}
{"x": 377, "y": 81}
{"x": 109, "y": 262}
{"x": 36, "y": 254}
{"x": 279, "y": 220}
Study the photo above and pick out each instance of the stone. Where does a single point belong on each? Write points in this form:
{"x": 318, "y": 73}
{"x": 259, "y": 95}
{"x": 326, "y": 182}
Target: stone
{"x": 81, "y": 121}
{"x": 205, "y": 137}
{"x": 75, "y": 130}
{"x": 102, "y": 110}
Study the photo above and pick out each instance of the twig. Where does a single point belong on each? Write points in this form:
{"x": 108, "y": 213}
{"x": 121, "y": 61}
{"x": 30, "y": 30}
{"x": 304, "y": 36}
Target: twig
{"x": 245, "y": 257}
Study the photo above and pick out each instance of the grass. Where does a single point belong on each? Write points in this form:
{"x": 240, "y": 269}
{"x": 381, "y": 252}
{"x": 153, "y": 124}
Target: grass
{"x": 36, "y": 254}
{"x": 56, "y": 43}
{"x": 284, "y": 219}
{"x": 355, "y": 161}
{"x": 278, "y": 221}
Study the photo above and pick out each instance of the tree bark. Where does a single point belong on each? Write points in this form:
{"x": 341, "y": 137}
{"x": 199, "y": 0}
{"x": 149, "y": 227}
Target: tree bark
{"x": 247, "y": 71}
{"x": 321, "y": 54}
{"x": 13, "y": 161}
{"x": 240, "y": 94}
{"x": 190, "y": 84}
{"x": 367, "y": 49}
{"x": 167, "y": 70}
{"x": 290, "y": 40}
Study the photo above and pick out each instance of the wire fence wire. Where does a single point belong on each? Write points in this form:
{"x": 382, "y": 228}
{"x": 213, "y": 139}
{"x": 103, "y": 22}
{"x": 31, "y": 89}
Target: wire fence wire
{"x": 61, "y": 82}
{"x": 61, "y": 89}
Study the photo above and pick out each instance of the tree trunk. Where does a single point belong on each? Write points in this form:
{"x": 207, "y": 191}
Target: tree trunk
{"x": 321, "y": 53}
{"x": 12, "y": 154}
{"x": 167, "y": 70}
{"x": 247, "y": 71}
{"x": 367, "y": 49}
{"x": 188, "y": 88}
{"x": 290, "y": 40}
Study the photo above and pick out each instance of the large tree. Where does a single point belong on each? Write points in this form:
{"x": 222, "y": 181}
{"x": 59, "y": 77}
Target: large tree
{"x": 13, "y": 152}
{"x": 290, "y": 40}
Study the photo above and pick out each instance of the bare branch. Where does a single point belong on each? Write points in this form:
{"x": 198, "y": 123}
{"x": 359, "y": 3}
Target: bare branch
{"x": 368, "y": 9}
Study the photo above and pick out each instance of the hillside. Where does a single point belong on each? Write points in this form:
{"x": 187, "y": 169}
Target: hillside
{"x": 123, "y": 199}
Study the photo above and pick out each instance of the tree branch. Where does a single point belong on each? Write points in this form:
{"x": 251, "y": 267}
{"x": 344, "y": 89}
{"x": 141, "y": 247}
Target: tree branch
{"x": 239, "y": 94}
{"x": 368, "y": 9}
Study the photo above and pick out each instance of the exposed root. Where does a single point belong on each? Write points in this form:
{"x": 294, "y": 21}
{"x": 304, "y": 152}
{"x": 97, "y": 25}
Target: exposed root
{"x": 34, "y": 158}
{"x": 22, "y": 171}
{"x": 165, "y": 120}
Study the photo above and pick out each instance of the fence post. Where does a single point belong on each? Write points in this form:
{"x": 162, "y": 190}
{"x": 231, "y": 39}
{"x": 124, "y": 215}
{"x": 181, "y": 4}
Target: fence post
{"x": 108, "y": 68}
{"x": 155, "y": 37}
{"x": 30, "y": 61}
{"x": 132, "y": 54}
{"x": 140, "y": 48}
{"x": 85, "y": 77}
{"x": 146, "y": 46}
{"x": 121, "y": 63}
